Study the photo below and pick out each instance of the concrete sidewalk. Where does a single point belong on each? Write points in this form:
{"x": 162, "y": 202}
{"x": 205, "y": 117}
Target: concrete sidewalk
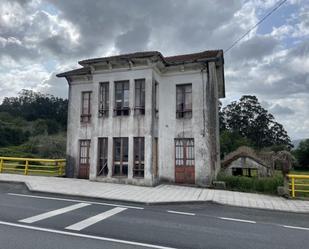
{"x": 155, "y": 195}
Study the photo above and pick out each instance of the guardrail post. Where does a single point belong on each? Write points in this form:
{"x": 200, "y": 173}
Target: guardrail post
{"x": 26, "y": 167}
{"x": 293, "y": 187}
{"x": 59, "y": 167}
{"x": 1, "y": 165}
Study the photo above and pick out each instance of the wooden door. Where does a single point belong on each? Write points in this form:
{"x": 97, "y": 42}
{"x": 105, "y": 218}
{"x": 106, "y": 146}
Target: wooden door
{"x": 184, "y": 161}
{"x": 84, "y": 159}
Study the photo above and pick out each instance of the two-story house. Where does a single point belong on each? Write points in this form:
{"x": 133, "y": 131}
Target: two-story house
{"x": 143, "y": 118}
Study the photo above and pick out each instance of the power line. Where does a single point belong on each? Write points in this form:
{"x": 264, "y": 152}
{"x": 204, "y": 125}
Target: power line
{"x": 254, "y": 26}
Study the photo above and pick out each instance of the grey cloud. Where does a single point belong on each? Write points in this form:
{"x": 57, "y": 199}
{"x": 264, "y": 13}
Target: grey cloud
{"x": 281, "y": 110}
{"x": 17, "y": 51}
{"x": 133, "y": 40}
{"x": 187, "y": 25}
{"x": 255, "y": 48}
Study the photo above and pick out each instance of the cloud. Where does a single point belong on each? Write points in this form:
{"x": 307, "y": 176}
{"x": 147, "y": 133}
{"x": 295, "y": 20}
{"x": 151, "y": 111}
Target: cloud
{"x": 40, "y": 38}
{"x": 281, "y": 110}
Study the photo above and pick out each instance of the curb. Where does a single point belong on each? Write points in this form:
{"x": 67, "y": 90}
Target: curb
{"x": 122, "y": 201}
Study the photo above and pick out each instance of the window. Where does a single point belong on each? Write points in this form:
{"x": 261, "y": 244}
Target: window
{"x": 122, "y": 98}
{"x": 184, "y": 101}
{"x": 249, "y": 172}
{"x": 84, "y": 149}
{"x": 139, "y": 150}
{"x": 139, "y": 96}
{"x": 104, "y": 99}
{"x": 102, "y": 169}
{"x": 86, "y": 107}
{"x": 184, "y": 152}
{"x": 157, "y": 99}
{"x": 120, "y": 156}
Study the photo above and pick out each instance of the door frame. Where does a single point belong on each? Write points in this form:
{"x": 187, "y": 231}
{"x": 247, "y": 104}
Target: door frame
{"x": 83, "y": 168}
{"x": 185, "y": 172}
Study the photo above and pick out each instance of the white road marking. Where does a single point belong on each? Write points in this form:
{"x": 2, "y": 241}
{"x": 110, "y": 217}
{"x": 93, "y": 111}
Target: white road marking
{"x": 75, "y": 200}
{"x": 299, "y": 228}
{"x": 80, "y": 235}
{"x": 53, "y": 213}
{"x": 176, "y": 212}
{"x": 94, "y": 219}
{"x": 239, "y": 220}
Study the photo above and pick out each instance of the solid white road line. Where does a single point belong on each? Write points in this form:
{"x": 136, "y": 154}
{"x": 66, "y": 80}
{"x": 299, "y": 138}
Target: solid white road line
{"x": 54, "y": 213}
{"x": 80, "y": 235}
{"x": 176, "y": 212}
{"x": 299, "y": 228}
{"x": 239, "y": 220}
{"x": 74, "y": 200}
{"x": 94, "y": 219}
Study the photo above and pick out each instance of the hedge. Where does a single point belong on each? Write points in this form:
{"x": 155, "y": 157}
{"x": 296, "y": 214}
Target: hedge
{"x": 252, "y": 184}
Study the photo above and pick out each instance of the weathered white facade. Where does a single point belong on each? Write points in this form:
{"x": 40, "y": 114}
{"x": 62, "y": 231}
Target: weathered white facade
{"x": 164, "y": 80}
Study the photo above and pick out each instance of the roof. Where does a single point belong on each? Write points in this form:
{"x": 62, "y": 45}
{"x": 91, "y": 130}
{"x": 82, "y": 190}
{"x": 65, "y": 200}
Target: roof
{"x": 121, "y": 56}
{"x": 242, "y": 151}
{"x": 169, "y": 60}
{"x": 193, "y": 57}
{"x": 79, "y": 71}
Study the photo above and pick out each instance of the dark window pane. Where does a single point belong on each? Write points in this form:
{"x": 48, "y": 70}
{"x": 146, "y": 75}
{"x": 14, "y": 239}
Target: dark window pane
{"x": 102, "y": 168}
{"x": 184, "y": 101}
{"x": 104, "y": 99}
{"x": 122, "y": 97}
{"x": 139, "y": 148}
{"x": 120, "y": 156}
{"x": 86, "y": 107}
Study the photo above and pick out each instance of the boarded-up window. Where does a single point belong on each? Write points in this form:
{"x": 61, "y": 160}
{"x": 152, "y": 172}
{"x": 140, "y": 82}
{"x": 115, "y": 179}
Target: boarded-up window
{"x": 139, "y": 151}
{"x": 104, "y": 99}
{"x": 184, "y": 101}
{"x": 84, "y": 151}
{"x": 139, "y": 96}
{"x": 102, "y": 169}
{"x": 184, "y": 152}
{"x": 122, "y": 90}
{"x": 121, "y": 154}
{"x": 86, "y": 107}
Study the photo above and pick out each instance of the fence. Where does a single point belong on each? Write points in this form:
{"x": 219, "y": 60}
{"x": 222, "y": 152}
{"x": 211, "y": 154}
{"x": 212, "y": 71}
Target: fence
{"x": 299, "y": 184}
{"x": 33, "y": 166}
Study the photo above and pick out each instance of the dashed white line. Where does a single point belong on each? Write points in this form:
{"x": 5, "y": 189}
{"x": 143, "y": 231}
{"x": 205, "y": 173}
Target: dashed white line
{"x": 237, "y": 220}
{"x": 176, "y": 212}
{"x": 80, "y": 235}
{"x": 53, "y": 213}
{"x": 75, "y": 200}
{"x": 94, "y": 219}
{"x": 298, "y": 228}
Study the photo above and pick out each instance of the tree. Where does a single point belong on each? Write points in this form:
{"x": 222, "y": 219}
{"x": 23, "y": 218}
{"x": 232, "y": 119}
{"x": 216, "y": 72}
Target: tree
{"x": 302, "y": 154}
{"x": 250, "y": 120}
{"x": 32, "y": 105}
{"x": 230, "y": 141}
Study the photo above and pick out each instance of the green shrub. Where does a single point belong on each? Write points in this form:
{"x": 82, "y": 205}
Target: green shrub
{"x": 252, "y": 184}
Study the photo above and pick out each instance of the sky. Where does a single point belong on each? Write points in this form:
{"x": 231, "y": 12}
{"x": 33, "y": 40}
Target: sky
{"x": 40, "y": 38}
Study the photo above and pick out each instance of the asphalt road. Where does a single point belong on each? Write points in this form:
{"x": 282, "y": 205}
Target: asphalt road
{"x": 37, "y": 221}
